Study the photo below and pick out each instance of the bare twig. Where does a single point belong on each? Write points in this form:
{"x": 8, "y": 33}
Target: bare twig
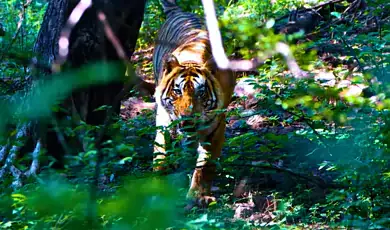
{"x": 60, "y": 136}
{"x": 314, "y": 180}
{"x": 359, "y": 64}
{"x": 311, "y": 126}
{"x": 111, "y": 36}
{"x": 35, "y": 162}
{"x": 222, "y": 60}
{"x": 121, "y": 53}
{"x": 63, "y": 43}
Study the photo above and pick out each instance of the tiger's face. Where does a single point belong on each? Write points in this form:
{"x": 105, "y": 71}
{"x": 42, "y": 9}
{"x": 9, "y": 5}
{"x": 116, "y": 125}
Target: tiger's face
{"x": 189, "y": 92}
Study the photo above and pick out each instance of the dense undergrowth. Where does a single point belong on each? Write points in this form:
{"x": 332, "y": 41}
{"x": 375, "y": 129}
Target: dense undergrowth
{"x": 316, "y": 151}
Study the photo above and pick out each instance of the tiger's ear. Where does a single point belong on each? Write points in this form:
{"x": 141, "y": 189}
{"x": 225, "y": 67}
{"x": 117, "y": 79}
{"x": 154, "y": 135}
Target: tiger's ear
{"x": 211, "y": 65}
{"x": 170, "y": 63}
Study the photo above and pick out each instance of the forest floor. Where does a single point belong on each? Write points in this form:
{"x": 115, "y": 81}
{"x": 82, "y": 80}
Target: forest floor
{"x": 269, "y": 152}
{"x": 248, "y": 186}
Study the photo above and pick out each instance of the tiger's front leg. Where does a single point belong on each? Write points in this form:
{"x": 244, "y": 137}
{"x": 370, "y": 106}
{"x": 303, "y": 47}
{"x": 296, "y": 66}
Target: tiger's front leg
{"x": 205, "y": 170}
{"x": 159, "y": 153}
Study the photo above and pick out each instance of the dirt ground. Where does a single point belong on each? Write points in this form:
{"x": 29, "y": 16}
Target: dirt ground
{"x": 250, "y": 186}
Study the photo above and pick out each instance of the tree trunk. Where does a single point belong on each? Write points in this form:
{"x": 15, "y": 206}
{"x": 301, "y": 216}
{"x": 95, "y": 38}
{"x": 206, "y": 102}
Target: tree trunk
{"x": 87, "y": 44}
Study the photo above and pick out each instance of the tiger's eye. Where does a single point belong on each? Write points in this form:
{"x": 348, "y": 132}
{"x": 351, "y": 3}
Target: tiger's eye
{"x": 177, "y": 91}
{"x": 201, "y": 92}
{"x": 168, "y": 103}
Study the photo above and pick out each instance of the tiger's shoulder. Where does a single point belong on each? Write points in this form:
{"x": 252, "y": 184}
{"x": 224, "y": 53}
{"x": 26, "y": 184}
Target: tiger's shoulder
{"x": 180, "y": 30}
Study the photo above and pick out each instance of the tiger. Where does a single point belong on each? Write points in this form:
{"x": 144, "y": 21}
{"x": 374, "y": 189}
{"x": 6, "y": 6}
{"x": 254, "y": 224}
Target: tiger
{"x": 188, "y": 82}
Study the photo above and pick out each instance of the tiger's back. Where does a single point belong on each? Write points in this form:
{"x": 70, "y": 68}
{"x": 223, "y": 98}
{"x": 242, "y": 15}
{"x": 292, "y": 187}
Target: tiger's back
{"x": 173, "y": 34}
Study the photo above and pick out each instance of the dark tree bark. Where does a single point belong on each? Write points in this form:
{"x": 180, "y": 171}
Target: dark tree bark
{"x": 88, "y": 43}
{"x": 46, "y": 45}
{"x": 2, "y": 31}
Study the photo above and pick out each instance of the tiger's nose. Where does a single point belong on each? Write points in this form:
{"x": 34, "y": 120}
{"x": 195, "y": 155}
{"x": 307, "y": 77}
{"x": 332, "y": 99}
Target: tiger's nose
{"x": 187, "y": 111}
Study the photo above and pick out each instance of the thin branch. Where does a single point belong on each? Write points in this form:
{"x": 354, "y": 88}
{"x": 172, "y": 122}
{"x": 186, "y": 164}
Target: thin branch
{"x": 35, "y": 161}
{"x": 60, "y": 136}
{"x": 317, "y": 181}
{"x": 100, "y": 137}
{"x": 360, "y": 66}
{"x": 111, "y": 36}
{"x": 222, "y": 60}
{"x": 215, "y": 35}
{"x": 311, "y": 126}
{"x": 63, "y": 43}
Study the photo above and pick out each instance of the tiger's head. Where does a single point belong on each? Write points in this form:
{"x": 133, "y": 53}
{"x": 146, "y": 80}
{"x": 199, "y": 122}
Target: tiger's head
{"x": 187, "y": 89}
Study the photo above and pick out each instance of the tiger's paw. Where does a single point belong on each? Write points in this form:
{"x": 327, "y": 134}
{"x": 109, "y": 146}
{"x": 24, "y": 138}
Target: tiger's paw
{"x": 200, "y": 202}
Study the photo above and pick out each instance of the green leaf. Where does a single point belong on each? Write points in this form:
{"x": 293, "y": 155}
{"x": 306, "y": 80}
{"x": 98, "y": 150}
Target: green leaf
{"x": 124, "y": 160}
{"x": 336, "y": 14}
{"x": 387, "y": 37}
{"x": 103, "y": 107}
{"x": 232, "y": 158}
{"x": 264, "y": 149}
